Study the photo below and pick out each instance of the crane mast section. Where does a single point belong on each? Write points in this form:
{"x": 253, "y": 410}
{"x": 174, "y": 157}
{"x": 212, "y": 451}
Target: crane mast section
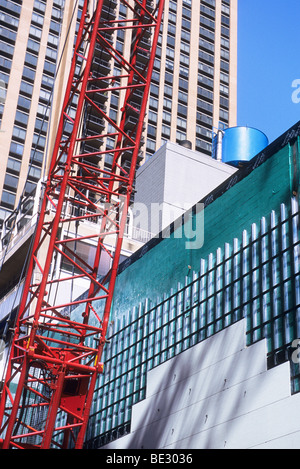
{"x": 55, "y": 355}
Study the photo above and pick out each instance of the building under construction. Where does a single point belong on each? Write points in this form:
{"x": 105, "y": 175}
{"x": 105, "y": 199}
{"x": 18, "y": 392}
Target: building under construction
{"x": 193, "y": 89}
{"x": 203, "y": 339}
{"x": 118, "y": 335}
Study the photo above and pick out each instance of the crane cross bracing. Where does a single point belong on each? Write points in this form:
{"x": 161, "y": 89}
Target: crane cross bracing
{"x": 55, "y": 357}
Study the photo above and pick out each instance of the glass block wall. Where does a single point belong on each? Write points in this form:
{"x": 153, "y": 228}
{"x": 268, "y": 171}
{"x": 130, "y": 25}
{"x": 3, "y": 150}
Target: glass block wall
{"x": 248, "y": 267}
{"x": 257, "y": 278}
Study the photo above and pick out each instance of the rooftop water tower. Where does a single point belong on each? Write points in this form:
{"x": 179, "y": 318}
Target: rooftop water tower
{"x": 240, "y": 144}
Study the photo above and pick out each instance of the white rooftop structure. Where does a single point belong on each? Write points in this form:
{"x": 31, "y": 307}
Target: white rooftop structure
{"x": 173, "y": 180}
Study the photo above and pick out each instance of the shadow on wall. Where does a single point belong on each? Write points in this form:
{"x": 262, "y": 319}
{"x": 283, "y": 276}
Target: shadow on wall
{"x": 207, "y": 397}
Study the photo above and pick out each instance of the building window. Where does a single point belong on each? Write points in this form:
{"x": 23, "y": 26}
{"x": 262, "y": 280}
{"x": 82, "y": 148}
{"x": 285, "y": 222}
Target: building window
{"x": 43, "y": 110}
{"x": 204, "y": 105}
{"x": 167, "y": 103}
{"x": 207, "y": 34}
{"x": 224, "y": 89}
{"x": 186, "y": 24}
{"x": 224, "y": 66}
{"x": 153, "y": 103}
{"x": 225, "y": 42}
{"x": 172, "y": 17}
{"x": 24, "y": 103}
{"x": 206, "y": 57}
{"x": 180, "y": 136}
{"x": 181, "y": 123}
{"x": 182, "y": 110}
{"x": 34, "y": 173}
{"x": 155, "y": 76}
{"x": 5, "y": 64}
{"x": 151, "y": 131}
{"x": 40, "y": 6}
{"x": 184, "y": 71}
{"x": 170, "y": 53}
{"x": 206, "y": 22}
{"x": 206, "y": 45}
{"x": 224, "y": 77}
{"x": 206, "y": 69}
{"x": 152, "y": 116}
{"x": 184, "y": 59}
{"x": 205, "y": 81}
{"x": 185, "y": 48}
{"x": 29, "y": 187}
{"x": 204, "y": 119}
{"x": 225, "y": 31}
{"x": 166, "y": 131}
{"x": 183, "y": 84}
{"x": 201, "y": 145}
{"x": 169, "y": 77}
{"x": 37, "y": 19}
{"x": 51, "y": 54}
{"x": 7, "y": 35}
{"x": 36, "y": 157}
{"x": 186, "y": 35}
{"x": 171, "y": 41}
{"x": 224, "y": 102}
{"x": 8, "y": 199}
{"x": 21, "y": 118}
{"x": 13, "y": 166}
{"x": 31, "y": 60}
{"x": 151, "y": 145}
{"x": 28, "y": 74}
{"x": 224, "y": 115}
{"x": 49, "y": 68}
{"x": 39, "y": 141}
{"x": 53, "y": 40}
{"x": 6, "y": 49}
{"x": 16, "y": 149}
{"x": 168, "y": 90}
{"x": 35, "y": 32}
{"x": 18, "y": 133}
{"x": 154, "y": 90}
{"x": 11, "y": 182}
{"x": 26, "y": 88}
{"x": 166, "y": 117}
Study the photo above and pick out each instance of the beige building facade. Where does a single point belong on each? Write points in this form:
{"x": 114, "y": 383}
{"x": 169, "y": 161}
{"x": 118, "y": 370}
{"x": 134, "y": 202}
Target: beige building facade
{"x": 36, "y": 46}
{"x": 193, "y": 88}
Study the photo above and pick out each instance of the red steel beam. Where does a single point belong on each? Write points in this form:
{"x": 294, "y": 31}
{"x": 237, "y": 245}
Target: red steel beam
{"x": 54, "y": 362}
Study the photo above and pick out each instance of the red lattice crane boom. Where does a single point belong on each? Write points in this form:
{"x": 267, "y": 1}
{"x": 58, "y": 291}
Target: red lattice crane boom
{"x": 55, "y": 357}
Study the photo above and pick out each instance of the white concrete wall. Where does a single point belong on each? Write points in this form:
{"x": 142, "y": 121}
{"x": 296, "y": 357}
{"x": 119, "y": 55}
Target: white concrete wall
{"x": 176, "y": 178}
{"x": 216, "y": 395}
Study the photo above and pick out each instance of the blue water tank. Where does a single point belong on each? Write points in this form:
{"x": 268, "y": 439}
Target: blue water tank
{"x": 241, "y": 144}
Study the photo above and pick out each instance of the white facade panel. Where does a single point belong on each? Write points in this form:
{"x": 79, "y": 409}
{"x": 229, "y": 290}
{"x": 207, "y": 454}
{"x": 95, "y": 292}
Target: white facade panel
{"x": 218, "y": 394}
{"x": 173, "y": 180}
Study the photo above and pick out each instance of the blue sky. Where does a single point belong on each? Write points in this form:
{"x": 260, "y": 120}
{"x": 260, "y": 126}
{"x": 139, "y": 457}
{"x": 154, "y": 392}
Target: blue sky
{"x": 268, "y": 64}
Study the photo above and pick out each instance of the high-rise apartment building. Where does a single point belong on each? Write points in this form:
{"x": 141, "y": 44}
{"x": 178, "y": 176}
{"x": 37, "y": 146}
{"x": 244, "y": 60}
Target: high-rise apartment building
{"x": 193, "y": 89}
{"x": 194, "y": 80}
{"x": 36, "y": 40}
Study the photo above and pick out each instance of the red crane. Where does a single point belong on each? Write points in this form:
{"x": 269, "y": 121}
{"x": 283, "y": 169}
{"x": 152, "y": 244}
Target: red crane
{"x": 55, "y": 357}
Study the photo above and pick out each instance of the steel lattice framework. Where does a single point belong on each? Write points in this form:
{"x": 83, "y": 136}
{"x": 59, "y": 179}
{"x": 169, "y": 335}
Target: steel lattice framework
{"x": 55, "y": 360}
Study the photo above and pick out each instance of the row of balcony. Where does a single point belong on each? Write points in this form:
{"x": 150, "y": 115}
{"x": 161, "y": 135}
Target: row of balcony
{"x": 22, "y": 221}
